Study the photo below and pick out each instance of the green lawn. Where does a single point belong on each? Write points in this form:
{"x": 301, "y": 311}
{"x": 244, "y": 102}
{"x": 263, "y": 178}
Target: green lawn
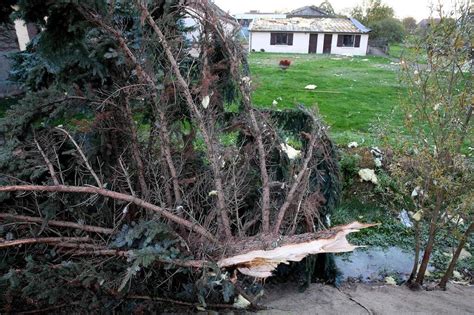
{"x": 353, "y": 94}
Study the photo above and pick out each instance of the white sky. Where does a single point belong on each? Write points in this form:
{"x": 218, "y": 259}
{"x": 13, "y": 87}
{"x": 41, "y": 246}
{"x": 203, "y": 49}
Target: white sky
{"x": 418, "y": 9}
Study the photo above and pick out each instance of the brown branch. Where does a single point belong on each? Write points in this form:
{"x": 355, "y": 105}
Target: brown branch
{"x": 94, "y": 250}
{"x": 87, "y": 228}
{"x": 91, "y": 170}
{"x": 211, "y": 150}
{"x": 244, "y": 88}
{"x": 163, "y": 131}
{"x": 45, "y": 240}
{"x": 136, "y": 149}
{"x": 296, "y": 184}
{"x": 117, "y": 196}
{"x": 177, "y": 302}
{"x": 48, "y": 164}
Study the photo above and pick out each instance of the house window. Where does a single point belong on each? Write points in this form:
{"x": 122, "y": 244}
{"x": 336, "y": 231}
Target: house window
{"x": 281, "y": 39}
{"x": 348, "y": 40}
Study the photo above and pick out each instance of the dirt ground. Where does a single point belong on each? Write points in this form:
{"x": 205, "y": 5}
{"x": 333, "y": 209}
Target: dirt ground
{"x": 367, "y": 299}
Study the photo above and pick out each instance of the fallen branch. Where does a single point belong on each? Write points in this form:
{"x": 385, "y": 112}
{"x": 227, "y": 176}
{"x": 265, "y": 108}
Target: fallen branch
{"x": 260, "y": 263}
{"x": 48, "y": 163}
{"x": 81, "y": 153}
{"x": 45, "y": 240}
{"x": 87, "y": 228}
{"x": 117, "y": 196}
{"x": 210, "y": 145}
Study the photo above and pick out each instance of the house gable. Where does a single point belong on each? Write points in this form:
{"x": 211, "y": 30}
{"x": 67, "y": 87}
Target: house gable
{"x": 308, "y": 12}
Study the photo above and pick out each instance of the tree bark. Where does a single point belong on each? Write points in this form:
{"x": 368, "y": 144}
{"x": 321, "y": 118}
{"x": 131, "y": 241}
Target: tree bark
{"x": 46, "y": 240}
{"x": 210, "y": 144}
{"x": 117, "y": 196}
{"x": 452, "y": 264}
{"x": 417, "y": 252}
{"x": 87, "y": 228}
{"x": 431, "y": 239}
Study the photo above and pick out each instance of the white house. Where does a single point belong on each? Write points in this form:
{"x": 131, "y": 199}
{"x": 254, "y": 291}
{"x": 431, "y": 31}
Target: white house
{"x": 245, "y": 19}
{"x": 342, "y": 36}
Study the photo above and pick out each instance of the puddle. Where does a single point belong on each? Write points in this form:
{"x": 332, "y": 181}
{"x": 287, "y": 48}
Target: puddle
{"x": 375, "y": 263}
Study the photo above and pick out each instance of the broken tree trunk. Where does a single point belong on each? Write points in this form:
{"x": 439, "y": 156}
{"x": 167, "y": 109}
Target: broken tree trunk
{"x": 259, "y": 256}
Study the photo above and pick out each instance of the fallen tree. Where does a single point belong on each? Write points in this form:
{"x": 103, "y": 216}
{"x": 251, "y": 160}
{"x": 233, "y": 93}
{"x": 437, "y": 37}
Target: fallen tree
{"x": 165, "y": 174}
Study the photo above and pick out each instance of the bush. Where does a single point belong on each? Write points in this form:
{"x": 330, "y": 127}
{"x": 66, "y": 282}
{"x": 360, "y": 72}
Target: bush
{"x": 388, "y": 29}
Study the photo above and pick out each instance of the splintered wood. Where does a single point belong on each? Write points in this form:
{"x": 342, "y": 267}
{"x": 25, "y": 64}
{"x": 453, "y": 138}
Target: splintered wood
{"x": 260, "y": 263}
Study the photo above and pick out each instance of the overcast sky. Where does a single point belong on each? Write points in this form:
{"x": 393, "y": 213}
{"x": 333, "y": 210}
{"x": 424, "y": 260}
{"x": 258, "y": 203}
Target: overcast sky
{"x": 418, "y": 9}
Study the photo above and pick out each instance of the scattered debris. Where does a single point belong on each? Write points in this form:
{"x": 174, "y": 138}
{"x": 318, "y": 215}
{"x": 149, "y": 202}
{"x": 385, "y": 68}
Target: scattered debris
{"x": 464, "y": 254}
{"x": 417, "y": 216}
{"x": 241, "y": 302}
{"x": 378, "y": 162}
{"x": 390, "y": 281}
{"x": 353, "y": 145}
{"x": 213, "y": 193}
{"x": 365, "y": 59}
{"x": 205, "y": 101}
{"x": 457, "y": 275}
{"x": 416, "y": 192}
{"x": 274, "y": 103}
{"x": 405, "y": 219}
{"x": 291, "y": 152}
{"x": 368, "y": 175}
{"x": 310, "y": 87}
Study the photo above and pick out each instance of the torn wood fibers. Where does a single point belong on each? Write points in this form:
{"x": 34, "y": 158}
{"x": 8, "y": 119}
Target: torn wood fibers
{"x": 261, "y": 263}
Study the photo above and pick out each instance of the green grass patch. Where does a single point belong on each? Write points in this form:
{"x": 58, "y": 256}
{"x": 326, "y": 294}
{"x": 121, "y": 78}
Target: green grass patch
{"x": 352, "y": 94}
{"x": 390, "y": 232}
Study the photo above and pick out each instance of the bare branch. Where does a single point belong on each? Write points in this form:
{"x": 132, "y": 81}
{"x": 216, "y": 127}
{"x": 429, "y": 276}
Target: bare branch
{"x": 87, "y": 228}
{"x": 299, "y": 177}
{"x": 48, "y": 163}
{"x": 91, "y": 170}
{"x": 117, "y": 196}
{"x": 46, "y": 240}
{"x": 211, "y": 150}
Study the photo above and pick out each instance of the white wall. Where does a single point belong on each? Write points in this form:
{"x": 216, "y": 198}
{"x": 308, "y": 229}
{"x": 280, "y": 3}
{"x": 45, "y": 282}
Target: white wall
{"x": 261, "y": 40}
{"x": 353, "y": 51}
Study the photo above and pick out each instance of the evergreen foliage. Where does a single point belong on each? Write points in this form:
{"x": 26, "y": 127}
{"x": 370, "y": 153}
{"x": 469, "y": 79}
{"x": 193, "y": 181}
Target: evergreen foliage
{"x": 88, "y": 112}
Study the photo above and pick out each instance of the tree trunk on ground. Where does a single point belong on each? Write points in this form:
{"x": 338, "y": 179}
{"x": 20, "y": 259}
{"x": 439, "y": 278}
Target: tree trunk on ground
{"x": 452, "y": 264}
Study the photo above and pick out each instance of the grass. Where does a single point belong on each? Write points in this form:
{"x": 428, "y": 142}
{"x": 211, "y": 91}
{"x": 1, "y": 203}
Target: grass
{"x": 396, "y": 51}
{"x": 353, "y": 94}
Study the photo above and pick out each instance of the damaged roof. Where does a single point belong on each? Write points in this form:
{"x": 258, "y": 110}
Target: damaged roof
{"x": 318, "y": 25}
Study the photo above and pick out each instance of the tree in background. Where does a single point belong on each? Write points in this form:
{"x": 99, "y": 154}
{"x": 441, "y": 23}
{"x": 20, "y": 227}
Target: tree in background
{"x": 380, "y": 18}
{"x": 388, "y": 29}
{"x": 409, "y": 23}
{"x": 372, "y": 11}
{"x": 438, "y": 173}
{"x": 327, "y": 6}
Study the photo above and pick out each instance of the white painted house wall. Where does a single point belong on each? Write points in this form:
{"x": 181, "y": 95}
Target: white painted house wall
{"x": 261, "y": 40}
{"x": 351, "y": 51}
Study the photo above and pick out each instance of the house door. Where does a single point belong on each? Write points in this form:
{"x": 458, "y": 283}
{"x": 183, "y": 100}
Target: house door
{"x": 313, "y": 43}
{"x": 327, "y": 43}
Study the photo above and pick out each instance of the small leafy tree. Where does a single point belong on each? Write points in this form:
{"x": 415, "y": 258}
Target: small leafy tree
{"x": 389, "y": 29}
{"x": 438, "y": 110}
{"x": 409, "y": 23}
{"x": 372, "y": 11}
